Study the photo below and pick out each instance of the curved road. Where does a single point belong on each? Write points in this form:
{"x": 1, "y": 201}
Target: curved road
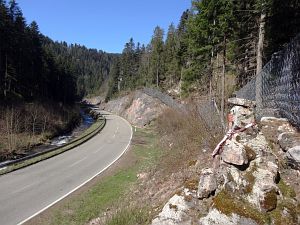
{"x": 26, "y": 192}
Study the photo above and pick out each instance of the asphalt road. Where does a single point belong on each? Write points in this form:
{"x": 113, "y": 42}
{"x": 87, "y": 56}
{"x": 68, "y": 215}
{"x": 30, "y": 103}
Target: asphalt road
{"x": 26, "y": 192}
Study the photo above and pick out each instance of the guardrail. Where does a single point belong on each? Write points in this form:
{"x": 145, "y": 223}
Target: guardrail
{"x": 37, "y": 157}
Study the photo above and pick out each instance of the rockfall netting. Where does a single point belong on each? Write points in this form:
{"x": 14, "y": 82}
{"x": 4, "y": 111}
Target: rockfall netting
{"x": 276, "y": 89}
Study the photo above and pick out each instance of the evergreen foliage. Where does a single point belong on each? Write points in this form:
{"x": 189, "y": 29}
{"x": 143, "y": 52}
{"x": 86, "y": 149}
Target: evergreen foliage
{"x": 33, "y": 67}
{"x": 210, "y": 32}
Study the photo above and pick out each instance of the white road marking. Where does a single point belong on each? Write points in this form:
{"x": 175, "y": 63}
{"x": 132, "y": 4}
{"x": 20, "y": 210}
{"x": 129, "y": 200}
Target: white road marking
{"x": 23, "y": 188}
{"x": 98, "y": 150}
{"x": 70, "y": 192}
{"x": 75, "y": 163}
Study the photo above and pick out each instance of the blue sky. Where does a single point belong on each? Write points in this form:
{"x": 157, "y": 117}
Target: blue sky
{"x": 102, "y": 24}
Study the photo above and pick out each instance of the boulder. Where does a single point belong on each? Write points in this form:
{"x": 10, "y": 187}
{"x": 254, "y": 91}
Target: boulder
{"x": 287, "y": 140}
{"x": 241, "y": 116}
{"x": 207, "y": 183}
{"x": 234, "y": 153}
{"x": 293, "y": 157}
{"x": 264, "y": 191}
{"x": 241, "y": 102}
{"x": 174, "y": 212}
{"x": 281, "y": 124}
{"x": 215, "y": 217}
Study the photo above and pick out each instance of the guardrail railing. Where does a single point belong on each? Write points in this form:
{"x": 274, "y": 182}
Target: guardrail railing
{"x": 37, "y": 157}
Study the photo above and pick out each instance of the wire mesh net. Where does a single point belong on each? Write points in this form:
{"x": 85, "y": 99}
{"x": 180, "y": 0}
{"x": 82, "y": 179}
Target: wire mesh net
{"x": 276, "y": 89}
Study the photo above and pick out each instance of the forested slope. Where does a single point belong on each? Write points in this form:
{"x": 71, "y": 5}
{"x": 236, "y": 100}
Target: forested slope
{"x": 40, "y": 80}
{"x": 213, "y": 42}
{"x": 33, "y": 66}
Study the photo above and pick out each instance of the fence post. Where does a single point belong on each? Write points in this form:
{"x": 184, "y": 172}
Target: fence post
{"x": 258, "y": 95}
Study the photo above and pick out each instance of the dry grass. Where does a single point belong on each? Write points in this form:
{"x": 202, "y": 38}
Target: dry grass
{"x": 187, "y": 136}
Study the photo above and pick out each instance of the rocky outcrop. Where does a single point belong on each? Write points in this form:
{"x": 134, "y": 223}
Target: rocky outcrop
{"x": 174, "y": 212}
{"x": 140, "y": 108}
{"x": 244, "y": 182}
{"x": 215, "y": 217}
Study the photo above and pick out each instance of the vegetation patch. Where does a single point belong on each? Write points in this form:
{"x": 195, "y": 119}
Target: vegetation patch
{"x": 128, "y": 216}
{"x": 249, "y": 177}
{"x": 285, "y": 213}
{"x": 251, "y": 154}
{"x": 228, "y": 204}
{"x": 286, "y": 190}
{"x": 192, "y": 184}
{"x": 270, "y": 200}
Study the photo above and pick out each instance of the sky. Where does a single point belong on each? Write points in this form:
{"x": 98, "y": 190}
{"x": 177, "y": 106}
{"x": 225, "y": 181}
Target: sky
{"x": 102, "y": 24}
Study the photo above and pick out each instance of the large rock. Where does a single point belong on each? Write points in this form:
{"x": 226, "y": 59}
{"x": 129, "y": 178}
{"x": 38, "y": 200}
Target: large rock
{"x": 215, "y": 217}
{"x": 234, "y": 153}
{"x": 287, "y": 140}
{"x": 174, "y": 212}
{"x": 241, "y": 102}
{"x": 278, "y": 125}
{"x": 207, "y": 183}
{"x": 241, "y": 116}
{"x": 264, "y": 191}
{"x": 293, "y": 157}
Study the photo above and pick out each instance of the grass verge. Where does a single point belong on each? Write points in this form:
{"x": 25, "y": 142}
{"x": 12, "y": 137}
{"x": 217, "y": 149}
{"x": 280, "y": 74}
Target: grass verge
{"x": 85, "y": 136}
{"x": 108, "y": 199}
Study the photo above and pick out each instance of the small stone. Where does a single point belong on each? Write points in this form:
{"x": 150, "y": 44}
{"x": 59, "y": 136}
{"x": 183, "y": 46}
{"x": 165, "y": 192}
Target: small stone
{"x": 207, "y": 183}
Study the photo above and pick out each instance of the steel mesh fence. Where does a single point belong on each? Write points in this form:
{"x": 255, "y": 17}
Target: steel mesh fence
{"x": 276, "y": 89}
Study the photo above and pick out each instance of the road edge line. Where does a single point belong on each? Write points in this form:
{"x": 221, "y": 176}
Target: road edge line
{"x": 76, "y": 188}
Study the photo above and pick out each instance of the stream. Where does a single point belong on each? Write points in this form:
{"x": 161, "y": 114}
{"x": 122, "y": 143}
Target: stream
{"x": 86, "y": 122}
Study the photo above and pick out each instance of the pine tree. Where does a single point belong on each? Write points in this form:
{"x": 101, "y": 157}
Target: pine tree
{"x": 156, "y": 58}
{"x": 170, "y": 57}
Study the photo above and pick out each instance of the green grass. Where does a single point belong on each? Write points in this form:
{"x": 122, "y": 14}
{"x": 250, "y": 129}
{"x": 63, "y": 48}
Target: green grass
{"x": 130, "y": 216}
{"x": 97, "y": 199}
{"x": 85, "y": 136}
{"x": 286, "y": 190}
{"x": 112, "y": 191}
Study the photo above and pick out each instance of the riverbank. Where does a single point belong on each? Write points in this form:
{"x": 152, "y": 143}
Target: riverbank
{"x": 29, "y": 128}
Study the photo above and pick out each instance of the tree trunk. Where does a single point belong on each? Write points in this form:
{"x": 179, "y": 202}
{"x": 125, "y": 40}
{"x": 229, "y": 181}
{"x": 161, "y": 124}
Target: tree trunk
{"x": 5, "y": 78}
{"x": 260, "y": 44}
{"x": 211, "y": 70}
{"x": 157, "y": 77}
{"x": 223, "y": 82}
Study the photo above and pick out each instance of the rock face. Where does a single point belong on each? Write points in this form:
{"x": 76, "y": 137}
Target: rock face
{"x": 174, "y": 212}
{"x": 234, "y": 153}
{"x": 214, "y": 217}
{"x": 207, "y": 184}
{"x": 138, "y": 108}
{"x": 293, "y": 157}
